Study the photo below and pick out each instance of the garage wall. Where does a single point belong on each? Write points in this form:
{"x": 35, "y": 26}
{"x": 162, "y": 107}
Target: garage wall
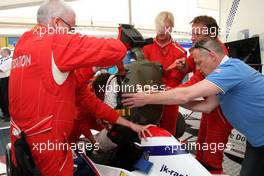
{"x": 249, "y": 15}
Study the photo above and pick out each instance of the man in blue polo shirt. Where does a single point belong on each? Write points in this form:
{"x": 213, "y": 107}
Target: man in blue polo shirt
{"x": 238, "y": 88}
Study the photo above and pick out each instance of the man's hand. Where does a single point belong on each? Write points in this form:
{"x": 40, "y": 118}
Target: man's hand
{"x": 95, "y": 69}
{"x": 133, "y": 100}
{"x": 104, "y": 123}
{"x": 141, "y": 130}
{"x": 179, "y": 64}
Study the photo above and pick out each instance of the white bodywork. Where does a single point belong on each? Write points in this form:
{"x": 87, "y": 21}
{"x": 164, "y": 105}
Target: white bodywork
{"x": 166, "y": 165}
{"x": 238, "y": 143}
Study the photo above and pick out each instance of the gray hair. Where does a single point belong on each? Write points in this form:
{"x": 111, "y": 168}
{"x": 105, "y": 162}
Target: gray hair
{"x": 52, "y": 8}
{"x": 7, "y": 50}
{"x": 211, "y": 44}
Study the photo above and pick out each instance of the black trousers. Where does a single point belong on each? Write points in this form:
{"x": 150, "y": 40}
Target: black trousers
{"x": 4, "y": 103}
{"x": 253, "y": 164}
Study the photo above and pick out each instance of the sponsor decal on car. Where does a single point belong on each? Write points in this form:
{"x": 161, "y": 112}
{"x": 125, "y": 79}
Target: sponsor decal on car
{"x": 168, "y": 171}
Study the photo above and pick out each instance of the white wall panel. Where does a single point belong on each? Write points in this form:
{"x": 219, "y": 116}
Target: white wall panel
{"x": 112, "y": 12}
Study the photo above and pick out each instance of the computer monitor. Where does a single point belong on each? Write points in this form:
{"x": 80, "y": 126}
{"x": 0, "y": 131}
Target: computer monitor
{"x": 247, "y": 50}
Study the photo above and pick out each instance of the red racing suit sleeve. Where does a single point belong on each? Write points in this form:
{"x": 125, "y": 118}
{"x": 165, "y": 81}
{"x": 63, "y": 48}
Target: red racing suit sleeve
{"x": 75, "y": 51}
{"x": 190, "y": 63}
{"x": 85, "y": 74}
{"x": 146, "y": 50}
{"x": 172, "y": 78}
{"x": 166, "y": 56}
{"x": 87, "y": 102}
{"x": 197, "y": 77}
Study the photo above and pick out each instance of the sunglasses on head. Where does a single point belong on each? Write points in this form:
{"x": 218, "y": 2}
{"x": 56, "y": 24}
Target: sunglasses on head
{"x": 197, "y": 45}
{"x": 71, "y": 29}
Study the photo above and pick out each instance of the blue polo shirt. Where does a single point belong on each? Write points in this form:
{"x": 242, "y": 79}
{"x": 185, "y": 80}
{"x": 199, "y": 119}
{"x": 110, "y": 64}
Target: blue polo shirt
{"x": 242, "y": 97}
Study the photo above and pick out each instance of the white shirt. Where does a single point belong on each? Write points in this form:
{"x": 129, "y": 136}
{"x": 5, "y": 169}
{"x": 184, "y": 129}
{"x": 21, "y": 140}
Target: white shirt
{"x": 111, "y": 92}
{"x": 5, "y": 67}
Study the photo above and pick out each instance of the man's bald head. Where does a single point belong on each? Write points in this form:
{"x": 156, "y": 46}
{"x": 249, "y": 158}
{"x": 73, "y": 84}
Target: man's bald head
{"x": 208, "y": 54}
{"x": 212, "y": 44}
{"x": 53, "y": 8}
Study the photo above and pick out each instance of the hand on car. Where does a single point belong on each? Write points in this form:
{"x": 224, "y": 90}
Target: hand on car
{"x": 141, "y": 130}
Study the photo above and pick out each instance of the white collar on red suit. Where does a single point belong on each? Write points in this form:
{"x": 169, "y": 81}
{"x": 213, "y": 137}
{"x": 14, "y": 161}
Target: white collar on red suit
{"x": 160, "y": 45}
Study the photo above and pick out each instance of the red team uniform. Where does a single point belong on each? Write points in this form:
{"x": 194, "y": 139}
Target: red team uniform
{"x": 89, "y": 108}
{"x": 42, "y": 90}
{"x": 166, "y": 55}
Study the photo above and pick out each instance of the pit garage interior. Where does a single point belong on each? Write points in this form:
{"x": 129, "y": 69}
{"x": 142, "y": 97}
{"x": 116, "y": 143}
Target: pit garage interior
{"x": 241, "y": 28}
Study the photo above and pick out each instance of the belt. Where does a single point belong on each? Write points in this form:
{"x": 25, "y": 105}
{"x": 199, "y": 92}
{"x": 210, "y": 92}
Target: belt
{"x": 40, "y": 127}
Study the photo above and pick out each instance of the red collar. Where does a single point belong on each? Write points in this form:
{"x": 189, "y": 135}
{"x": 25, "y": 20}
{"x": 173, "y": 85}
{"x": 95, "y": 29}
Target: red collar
{"x": 164, "y": 45}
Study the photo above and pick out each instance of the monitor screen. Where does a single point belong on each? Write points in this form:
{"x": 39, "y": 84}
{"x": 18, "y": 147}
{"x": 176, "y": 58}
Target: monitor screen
{"x": 247, "y": 50}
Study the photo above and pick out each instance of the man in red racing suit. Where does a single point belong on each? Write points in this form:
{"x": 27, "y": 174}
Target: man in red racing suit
{"x": 89, "y": 108}
{"x": 214, "y": 128}
{"x": 165, "y": 51}
{"x": 42, "y": 88}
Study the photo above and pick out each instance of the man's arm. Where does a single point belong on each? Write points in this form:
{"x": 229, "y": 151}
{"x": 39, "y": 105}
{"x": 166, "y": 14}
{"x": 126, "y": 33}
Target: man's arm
{"x": 74, "y": 51}
{"x": 174, "y": 96}
{"x": 207, "y": 105}
{"x": 196, "y": 77}
{"x": 87, "y": 101}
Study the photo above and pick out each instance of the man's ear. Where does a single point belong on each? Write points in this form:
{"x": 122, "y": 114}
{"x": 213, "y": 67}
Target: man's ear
{"x": 213, "y": 55}
{"x": 55, "y": 21}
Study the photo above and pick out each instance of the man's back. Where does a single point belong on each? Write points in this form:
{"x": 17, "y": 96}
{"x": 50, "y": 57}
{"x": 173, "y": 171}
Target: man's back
{"x": 41, "y": 82}
{"x": 42, "y": 90}
{"x": 34, "y": 93}
{"x": 243, "y": 99}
